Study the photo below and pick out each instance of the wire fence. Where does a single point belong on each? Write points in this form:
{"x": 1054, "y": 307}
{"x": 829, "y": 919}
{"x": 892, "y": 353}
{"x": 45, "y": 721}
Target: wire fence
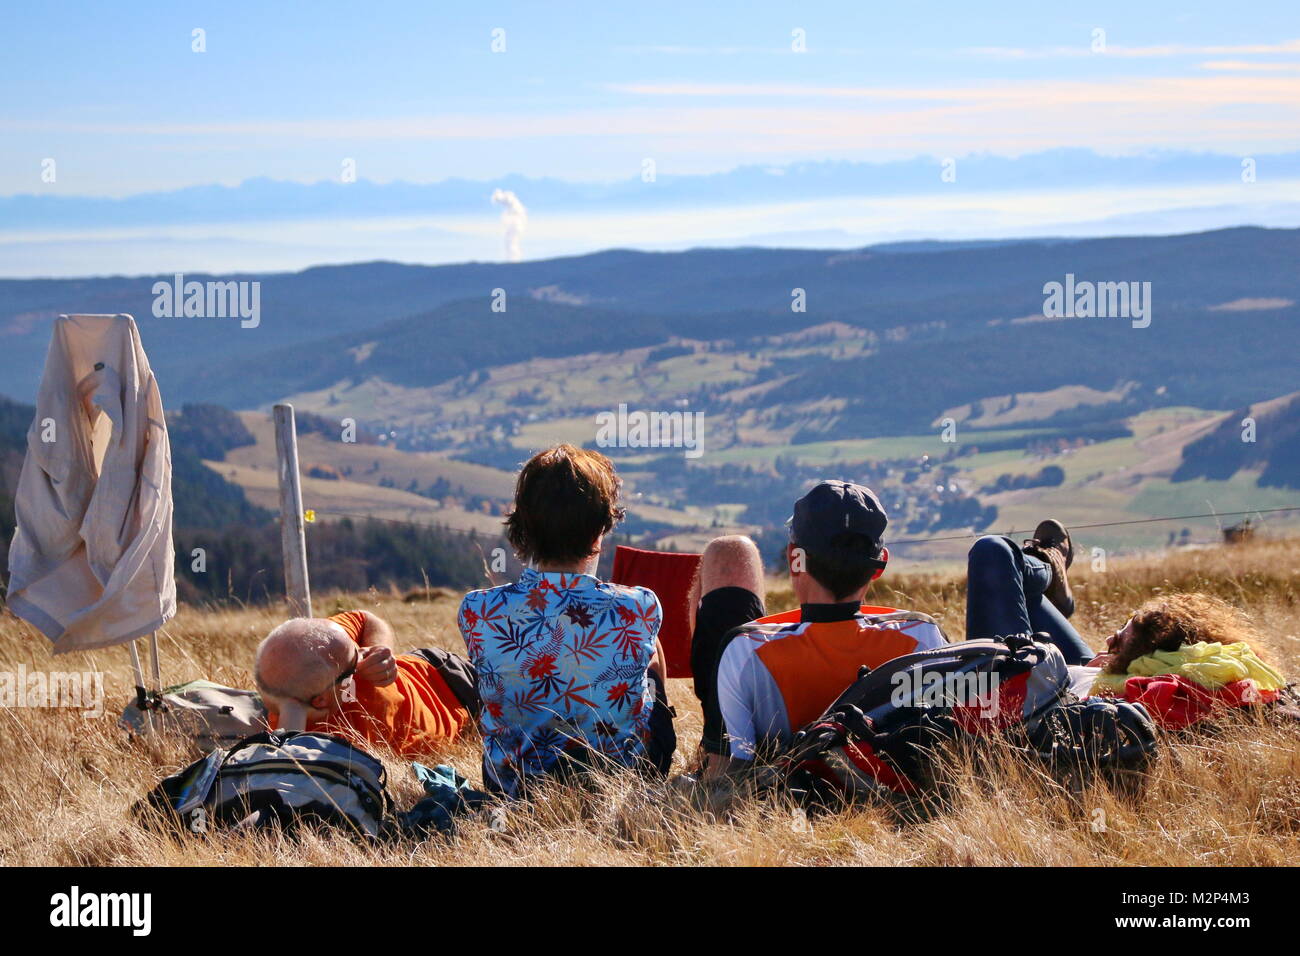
{"x": 931, "y": 540}
{"x": 1103, "y": 524}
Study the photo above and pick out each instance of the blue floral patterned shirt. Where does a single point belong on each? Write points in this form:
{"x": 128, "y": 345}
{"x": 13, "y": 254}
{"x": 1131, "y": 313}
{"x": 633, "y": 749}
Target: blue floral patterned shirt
{"x": 562, "y": 665}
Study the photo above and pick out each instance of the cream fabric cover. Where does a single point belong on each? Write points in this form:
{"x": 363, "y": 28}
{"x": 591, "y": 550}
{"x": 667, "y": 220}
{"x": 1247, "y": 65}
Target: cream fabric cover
{"x": 92, "y": 562}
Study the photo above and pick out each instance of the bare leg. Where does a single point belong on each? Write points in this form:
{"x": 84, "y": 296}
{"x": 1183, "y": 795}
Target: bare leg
{"x": 728, "y": 591}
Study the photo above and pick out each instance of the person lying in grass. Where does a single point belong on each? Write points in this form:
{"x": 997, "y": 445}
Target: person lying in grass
{"x": 339, "y": 675}
{"x": 1185, "y": 654}
{"x": 1180, "y": 655}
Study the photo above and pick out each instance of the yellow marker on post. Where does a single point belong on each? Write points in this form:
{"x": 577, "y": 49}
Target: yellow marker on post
{"x": 309, "y": 516}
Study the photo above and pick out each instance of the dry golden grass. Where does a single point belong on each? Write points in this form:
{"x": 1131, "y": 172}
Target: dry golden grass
{"x": 68, "y": 781}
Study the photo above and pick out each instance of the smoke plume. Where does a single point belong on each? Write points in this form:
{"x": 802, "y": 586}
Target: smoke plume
{"x": 515, "y": 218}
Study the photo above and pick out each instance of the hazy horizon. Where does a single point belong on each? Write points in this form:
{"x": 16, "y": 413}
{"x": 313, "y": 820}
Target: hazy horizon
{"x": 273, "y": 226}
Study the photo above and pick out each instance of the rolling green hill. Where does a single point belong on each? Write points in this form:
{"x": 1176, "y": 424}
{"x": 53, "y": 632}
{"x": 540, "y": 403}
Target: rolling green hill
{"x": 932, "y": 374}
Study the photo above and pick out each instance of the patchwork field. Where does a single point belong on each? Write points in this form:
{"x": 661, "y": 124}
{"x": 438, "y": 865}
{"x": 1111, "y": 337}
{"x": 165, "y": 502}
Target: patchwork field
{"x": 1110, "y": 485}
{"x": 363, "y": 467}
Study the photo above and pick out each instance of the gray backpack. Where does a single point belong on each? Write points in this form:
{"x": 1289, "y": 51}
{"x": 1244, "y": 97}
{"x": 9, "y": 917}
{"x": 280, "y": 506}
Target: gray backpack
{"x": 283, "y": 779}
{"x": 209, "y": 714}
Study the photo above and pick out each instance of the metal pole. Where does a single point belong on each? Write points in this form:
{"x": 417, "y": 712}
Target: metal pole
{"x": 141, "y": 696}
{"x": 157, "y": 667}
{"x": 293, "y": 534}
{"x": 136, "y": 670}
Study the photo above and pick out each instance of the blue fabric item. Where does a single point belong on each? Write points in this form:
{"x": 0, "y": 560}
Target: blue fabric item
{"x": 436, "y": 780}
{"x": 449, "y": 796}
{"x": 1004, "y": 596}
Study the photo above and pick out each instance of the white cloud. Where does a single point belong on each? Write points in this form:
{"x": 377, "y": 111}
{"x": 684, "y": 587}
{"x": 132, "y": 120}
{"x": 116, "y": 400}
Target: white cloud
{"x": 1133, "y": 52}
{"x": 1246, "y": 66}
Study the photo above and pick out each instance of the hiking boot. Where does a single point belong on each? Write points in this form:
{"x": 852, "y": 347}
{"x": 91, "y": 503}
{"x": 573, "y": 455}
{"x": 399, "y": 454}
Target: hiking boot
{"x": 1051, "y": 543}
{"x": 1050, "y": 533}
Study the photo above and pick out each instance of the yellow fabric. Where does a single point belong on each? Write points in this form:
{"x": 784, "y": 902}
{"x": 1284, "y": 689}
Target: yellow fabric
{"x": 1211, "y": 665}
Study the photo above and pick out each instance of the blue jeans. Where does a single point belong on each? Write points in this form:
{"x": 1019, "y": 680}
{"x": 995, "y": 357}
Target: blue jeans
{"x": 1004, "y": 596}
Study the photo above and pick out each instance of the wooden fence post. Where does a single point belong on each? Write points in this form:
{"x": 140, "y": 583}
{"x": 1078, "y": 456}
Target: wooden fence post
{"x": 293, "y": 537}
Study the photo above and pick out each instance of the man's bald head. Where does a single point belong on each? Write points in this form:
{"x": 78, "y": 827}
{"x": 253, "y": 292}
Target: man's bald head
{"x": 302, "y": 658}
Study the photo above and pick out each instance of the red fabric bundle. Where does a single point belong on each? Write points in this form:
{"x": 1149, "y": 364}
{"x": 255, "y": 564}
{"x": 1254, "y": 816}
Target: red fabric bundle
{"x": 1176, "y": 702}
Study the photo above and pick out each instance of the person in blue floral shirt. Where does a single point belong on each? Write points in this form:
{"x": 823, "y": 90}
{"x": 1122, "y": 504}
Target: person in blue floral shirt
{"x": 569, "y": 667}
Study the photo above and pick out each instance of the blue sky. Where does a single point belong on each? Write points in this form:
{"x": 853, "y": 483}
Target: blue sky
{"x": 587, "y": 92}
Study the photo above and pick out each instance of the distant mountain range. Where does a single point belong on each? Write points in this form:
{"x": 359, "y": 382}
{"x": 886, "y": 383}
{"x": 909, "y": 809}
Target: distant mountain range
{"x": 276, "y": 226}
{"x": 269, "y": 200}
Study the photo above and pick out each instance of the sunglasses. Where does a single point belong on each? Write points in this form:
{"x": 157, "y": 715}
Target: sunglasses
{"x": 350, "y": 670}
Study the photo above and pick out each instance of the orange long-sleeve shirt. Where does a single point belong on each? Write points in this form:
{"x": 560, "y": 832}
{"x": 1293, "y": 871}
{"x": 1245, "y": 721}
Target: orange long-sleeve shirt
{"x": 417, "y": 715}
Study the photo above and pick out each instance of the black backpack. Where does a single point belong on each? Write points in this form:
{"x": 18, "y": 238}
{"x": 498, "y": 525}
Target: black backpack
{"x": 1096, "y": 736}
{"x": 284, "y": 779}
{"x": 884, "y": 736}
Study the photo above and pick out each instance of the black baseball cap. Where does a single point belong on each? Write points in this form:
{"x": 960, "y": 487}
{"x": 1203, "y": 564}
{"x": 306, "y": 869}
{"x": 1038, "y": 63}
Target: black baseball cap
{"x": 833, "y": 508}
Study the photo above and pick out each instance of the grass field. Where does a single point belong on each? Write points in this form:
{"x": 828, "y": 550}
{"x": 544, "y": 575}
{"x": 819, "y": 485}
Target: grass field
{"x": 69, "y": 780}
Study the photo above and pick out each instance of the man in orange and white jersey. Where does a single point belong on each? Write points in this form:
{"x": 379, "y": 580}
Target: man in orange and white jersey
{"x": 777, "y": 673}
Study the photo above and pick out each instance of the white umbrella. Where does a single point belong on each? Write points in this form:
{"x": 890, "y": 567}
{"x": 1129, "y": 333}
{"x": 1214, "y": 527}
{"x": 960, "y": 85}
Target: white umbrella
{"x": 91, "y": 562}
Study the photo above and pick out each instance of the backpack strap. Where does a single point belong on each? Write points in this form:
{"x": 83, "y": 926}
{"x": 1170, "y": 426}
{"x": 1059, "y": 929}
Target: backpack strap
{"x": 967, "y": 652}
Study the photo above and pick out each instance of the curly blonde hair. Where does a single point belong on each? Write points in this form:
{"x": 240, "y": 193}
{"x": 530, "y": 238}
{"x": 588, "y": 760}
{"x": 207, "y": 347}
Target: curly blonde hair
{"x": 1167, "y": 623}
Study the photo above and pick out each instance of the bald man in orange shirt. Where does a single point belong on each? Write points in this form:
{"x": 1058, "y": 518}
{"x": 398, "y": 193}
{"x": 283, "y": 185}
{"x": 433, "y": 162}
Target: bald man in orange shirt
{"x": 339, "y": 675}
